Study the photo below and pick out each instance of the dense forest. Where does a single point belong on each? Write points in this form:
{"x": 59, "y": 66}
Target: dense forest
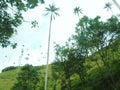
{"x": 89, "y": 59}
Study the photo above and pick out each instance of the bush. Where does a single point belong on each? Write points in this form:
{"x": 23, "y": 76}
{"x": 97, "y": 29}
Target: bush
{"x": 27, "y": 79}
{"x": 8, "y": 68}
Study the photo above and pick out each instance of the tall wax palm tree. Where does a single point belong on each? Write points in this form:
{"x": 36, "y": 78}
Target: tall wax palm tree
{"x": 52, "y": 10}
{"x": 77, "y": 11}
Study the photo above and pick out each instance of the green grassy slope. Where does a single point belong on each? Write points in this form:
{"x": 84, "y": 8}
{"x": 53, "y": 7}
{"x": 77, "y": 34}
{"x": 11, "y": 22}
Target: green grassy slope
{"x": 96, "y": 79}
{"x": 7, "y": 79}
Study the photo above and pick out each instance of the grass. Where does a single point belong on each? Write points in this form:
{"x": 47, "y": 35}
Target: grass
{"x": 7, "y": 79}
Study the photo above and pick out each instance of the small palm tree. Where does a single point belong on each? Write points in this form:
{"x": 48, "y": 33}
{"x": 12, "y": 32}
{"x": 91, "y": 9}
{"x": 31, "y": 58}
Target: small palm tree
{"x": 108, "y": 6}
{"x": 77, "y": 11}
{"x": 52, "y": 10}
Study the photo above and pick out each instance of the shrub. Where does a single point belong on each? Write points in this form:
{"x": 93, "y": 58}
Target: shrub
{"x": 27, "y": 79}
{"x": 8, "y": 68}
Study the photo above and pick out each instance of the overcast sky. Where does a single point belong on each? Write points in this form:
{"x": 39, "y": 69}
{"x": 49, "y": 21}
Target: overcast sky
{"x": 35, "y": 39}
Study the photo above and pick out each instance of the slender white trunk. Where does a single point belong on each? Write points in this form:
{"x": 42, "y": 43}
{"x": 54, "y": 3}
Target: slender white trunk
{"x": 19, "y": 60}
{"x": 115, "y": 2}
{"x": 46, "y": 76}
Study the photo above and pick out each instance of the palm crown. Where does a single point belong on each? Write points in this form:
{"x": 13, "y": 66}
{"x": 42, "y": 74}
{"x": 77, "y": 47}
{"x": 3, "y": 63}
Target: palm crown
{"x": 77, "y": 11}
{"x": 108, "y": 6}
{"x": 52, "y": 10}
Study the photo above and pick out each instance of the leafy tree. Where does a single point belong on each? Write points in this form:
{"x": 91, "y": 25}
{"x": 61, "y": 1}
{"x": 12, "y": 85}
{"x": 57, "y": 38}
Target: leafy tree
{"x": 52, "y": 10}
{"x": 56, "y": 73}
{"x": 71, "y": 60}
{"x": 27, "y": 79}
{"x": 94, "y": 35}
{"x": 62, "y": 57}
{"x": 11, "y": 18}
{"x": 107, "y": 35}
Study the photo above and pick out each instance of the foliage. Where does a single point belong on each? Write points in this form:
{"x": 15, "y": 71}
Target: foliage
{"x": 69, "y": 61}
{"x": 27, "y": 79}
{"x": 108, "y": 6}
{"x": 7, "y": 79}
{"x": 94, "y": 81}
{"x": 94, "y": 35}
{"x": 8, "y": 68}
{"x": 92, "y": 56}
{"x": 93, "y": 43}
{"x": 89, "y": 61}
{"x": 11, "y": 18}
{"x": 77, "y": 11}
{"x": 52, "y": 10}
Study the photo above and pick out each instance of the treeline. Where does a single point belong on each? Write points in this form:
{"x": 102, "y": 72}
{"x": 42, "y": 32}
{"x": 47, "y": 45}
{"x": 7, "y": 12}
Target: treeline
{"x": 9, "y": 68}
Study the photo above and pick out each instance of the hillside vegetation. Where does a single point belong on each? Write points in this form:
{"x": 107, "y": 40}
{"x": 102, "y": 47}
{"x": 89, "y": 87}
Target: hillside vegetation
{"x": 95, "y": 79}
{"x": 89, "y": 60}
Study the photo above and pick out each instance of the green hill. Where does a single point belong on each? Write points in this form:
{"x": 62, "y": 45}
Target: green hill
{"x": 7, "y": 79}
{"x": 95, "y": 79}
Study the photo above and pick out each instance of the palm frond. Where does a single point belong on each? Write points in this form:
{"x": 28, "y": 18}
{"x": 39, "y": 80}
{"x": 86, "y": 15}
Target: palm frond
{"x": 77, "y": 10}
{"x": 46, "y": 14}
{"x": 57, "y": 14}
{"x": 51, "y": 9}
{"x": 108, "y": 6}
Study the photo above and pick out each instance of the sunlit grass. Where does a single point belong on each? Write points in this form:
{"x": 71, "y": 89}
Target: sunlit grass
{"x": 7, "y": 79}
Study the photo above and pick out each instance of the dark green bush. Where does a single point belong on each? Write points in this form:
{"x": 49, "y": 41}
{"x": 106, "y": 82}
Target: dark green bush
{"x": 27, "y": 79}
{"x": 8, "y": 68}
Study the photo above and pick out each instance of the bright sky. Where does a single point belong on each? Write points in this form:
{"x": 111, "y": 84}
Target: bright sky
{"x": 35, "y": 39}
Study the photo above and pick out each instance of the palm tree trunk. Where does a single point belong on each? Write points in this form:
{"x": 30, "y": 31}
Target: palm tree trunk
{"x": 115, "y": 2}
{"x": 46, "y": 76}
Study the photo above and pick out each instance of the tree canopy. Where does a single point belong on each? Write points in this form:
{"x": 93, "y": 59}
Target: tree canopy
{"x": 27, "y": 79}
{"x": 11, "y": 18}
{"x": 93, "y": 38}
